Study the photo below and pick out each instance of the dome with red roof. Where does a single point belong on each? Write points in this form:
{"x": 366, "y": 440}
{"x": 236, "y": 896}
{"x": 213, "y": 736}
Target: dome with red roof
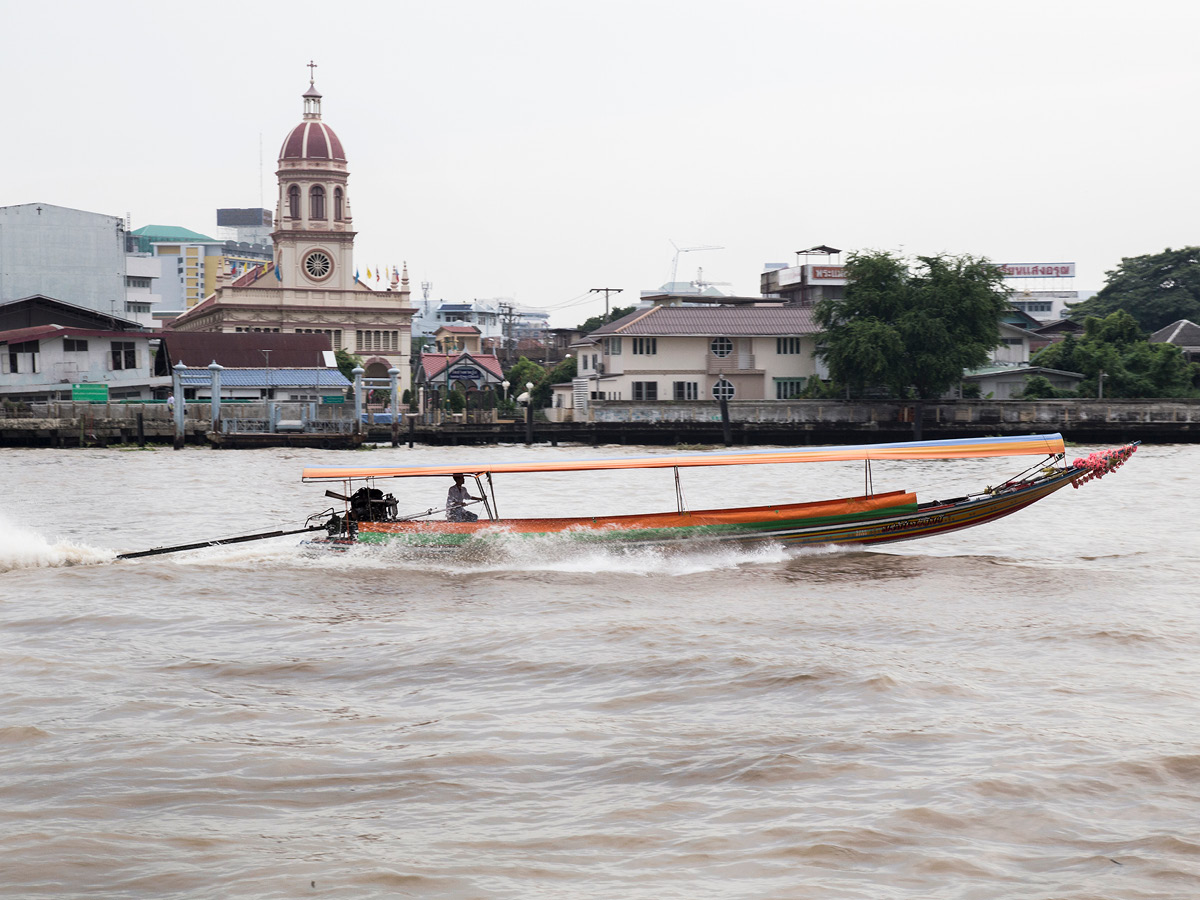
{"x": 312, "y": 138}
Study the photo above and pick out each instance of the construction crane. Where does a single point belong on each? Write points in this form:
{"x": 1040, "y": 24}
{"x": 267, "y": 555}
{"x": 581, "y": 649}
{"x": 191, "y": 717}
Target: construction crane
{"x": 678, "y": 250}
{"x": 700, "y": 284}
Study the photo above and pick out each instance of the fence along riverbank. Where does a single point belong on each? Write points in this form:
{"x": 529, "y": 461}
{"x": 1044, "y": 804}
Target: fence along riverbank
{"x": 68, "y": 424}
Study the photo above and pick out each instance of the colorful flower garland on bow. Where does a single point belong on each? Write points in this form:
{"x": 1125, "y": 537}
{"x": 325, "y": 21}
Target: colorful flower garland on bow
{"x": 1102, "y": 462}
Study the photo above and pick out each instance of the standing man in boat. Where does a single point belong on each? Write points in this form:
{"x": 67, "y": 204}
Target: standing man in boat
{"x": 456, "y": 499}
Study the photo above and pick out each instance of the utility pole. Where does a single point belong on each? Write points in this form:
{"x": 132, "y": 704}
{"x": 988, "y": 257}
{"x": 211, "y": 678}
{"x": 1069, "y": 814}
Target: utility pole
{"x": 606, "y": 292}
{"x": 506, "y": 331}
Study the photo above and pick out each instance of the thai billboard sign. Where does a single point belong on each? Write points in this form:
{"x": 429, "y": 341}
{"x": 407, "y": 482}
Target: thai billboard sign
{"x": 1038, "y": 270}
{"x": 825, "y": 274}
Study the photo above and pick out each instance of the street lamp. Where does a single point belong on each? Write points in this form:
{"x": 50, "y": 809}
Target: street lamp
{"x": 528, "y": 395}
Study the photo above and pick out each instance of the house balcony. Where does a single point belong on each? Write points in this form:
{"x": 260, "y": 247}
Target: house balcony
{"x": 734, "y": 364}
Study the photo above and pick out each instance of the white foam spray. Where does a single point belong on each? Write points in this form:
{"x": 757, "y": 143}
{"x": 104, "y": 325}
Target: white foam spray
{"x": 22, "y": 547}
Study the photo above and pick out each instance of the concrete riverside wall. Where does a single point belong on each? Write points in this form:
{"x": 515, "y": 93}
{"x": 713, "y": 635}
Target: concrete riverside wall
{"x": 1152, "y": 420}
{"x": 965, "y": 412}
{"x": 63, "y": 423}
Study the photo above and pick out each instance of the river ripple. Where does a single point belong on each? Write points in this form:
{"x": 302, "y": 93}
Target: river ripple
{"x": 1007, "y": 712}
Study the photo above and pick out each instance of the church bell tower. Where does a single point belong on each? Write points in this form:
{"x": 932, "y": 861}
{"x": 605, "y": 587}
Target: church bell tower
{"x": 314, "y": 236}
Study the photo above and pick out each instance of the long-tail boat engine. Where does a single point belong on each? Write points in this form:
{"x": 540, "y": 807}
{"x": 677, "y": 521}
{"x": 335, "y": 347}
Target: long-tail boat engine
{"x": 366, "y": 505}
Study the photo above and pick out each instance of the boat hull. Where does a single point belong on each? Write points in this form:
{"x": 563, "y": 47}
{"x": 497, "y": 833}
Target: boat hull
{"x": 877, "y": 519}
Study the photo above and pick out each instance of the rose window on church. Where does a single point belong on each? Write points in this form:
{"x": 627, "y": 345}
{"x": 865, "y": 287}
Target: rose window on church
{"x": 318, "y": 265}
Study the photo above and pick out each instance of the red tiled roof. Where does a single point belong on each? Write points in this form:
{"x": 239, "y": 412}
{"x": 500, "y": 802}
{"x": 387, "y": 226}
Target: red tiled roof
{"x": 244, "y": 351}
{"x": 713, "y": 321}
{"x": 43, "y": 332}
{"x": 433, "y": 364}
{"x": 460, "y": 329}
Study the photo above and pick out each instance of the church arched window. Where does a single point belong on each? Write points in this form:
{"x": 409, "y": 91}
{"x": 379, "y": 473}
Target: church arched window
{"x": 294, "y": 202}
{"x": 339, "y": 210}
{"x": 316, "y": 202}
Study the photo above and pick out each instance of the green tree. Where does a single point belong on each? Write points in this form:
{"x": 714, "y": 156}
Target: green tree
{"x": 347, "y": 362}
{"x": 523, "y": 371}
{"x": 563, "y": 372}
{"x": 1116, "y": 348}
{"x": 1156, "y": 289}
{"x": 596, "y": 321}
{"x": 1038, "y": 387}
{"x": 911, "y": 328}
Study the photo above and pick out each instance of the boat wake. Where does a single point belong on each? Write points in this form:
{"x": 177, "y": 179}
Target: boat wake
{"x": 501, "y": 552}
{"x": 23, "y": 548}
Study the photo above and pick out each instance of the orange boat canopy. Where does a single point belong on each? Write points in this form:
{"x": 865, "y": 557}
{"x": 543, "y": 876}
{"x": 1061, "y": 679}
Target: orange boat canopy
{"x": 1033, "y": 445}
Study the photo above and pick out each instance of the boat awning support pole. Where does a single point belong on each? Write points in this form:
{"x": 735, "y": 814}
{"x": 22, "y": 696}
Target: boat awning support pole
{"x": 680, "y": 505}
{"x": 493, "y": 511}
{"x": 869, "y": 484}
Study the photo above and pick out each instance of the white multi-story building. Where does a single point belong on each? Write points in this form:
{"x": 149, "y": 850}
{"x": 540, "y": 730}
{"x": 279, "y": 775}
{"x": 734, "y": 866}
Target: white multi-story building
{"x": 696, "y": 353}
{"x": 501, "y": 323}
{"x": 141, "y": 289}
{"x": 193, "y": 264}
{"x": 68, "y": 254}
{"x": 1045, "y": 306}
{"x": 53, "y": 361}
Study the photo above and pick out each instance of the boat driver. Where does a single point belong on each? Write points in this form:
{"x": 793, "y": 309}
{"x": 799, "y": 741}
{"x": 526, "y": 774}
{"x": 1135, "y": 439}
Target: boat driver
{"x": 456, "y": 499}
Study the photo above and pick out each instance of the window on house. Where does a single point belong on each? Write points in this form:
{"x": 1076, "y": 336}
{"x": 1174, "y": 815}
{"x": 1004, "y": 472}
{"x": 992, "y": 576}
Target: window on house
{"x": 612, "y": 346}
{"x": 316, "y": 202}
{"x": 124, "y": 355}
{"x": 721, "y": 346}
{"x": 18, "y": 365}
{"x": 74, "y": 345}
{"x": 338, "y": 205}
{"x": 645, "y": 346}
{"x": 723, "y": 390}
{"x": 788, "y": 388}
{"x": 787, "y": 345}
{"x": 294, "y": 201}
{"x": 645, "y": 390}
{"x": 686, "y": 390}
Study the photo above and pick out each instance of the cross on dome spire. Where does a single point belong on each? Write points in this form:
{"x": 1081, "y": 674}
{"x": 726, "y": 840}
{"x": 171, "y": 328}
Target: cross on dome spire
{"x": 312, "y": 97}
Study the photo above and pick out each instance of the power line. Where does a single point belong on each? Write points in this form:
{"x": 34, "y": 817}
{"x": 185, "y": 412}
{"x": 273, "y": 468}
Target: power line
{"x": 606, "y": 291}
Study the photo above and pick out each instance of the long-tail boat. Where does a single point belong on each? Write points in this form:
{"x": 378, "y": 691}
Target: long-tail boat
{"x": 369, "y": 516}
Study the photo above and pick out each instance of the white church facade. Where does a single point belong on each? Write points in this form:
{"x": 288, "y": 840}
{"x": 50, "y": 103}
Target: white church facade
{"x": 312, "y": 287}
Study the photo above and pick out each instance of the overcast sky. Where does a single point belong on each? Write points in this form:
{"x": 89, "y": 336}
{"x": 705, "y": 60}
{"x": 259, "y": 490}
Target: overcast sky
{"x": 535, "y": 150}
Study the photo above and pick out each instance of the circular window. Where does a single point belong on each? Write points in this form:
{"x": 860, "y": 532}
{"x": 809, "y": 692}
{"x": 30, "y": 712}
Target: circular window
{"x": 722, "y": 346}
{"x": 318, "y": 265}
{"x": 723, "y": 390}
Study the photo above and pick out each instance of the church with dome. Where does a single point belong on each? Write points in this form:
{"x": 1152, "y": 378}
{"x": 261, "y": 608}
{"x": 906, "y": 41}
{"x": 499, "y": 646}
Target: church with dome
{"x": 312, "y": 286}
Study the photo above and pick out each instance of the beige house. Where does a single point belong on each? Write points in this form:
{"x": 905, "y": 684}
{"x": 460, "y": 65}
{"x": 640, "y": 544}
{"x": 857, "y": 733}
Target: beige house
{"x": 695, "y": 353}
{"x": 312, "y": 287}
